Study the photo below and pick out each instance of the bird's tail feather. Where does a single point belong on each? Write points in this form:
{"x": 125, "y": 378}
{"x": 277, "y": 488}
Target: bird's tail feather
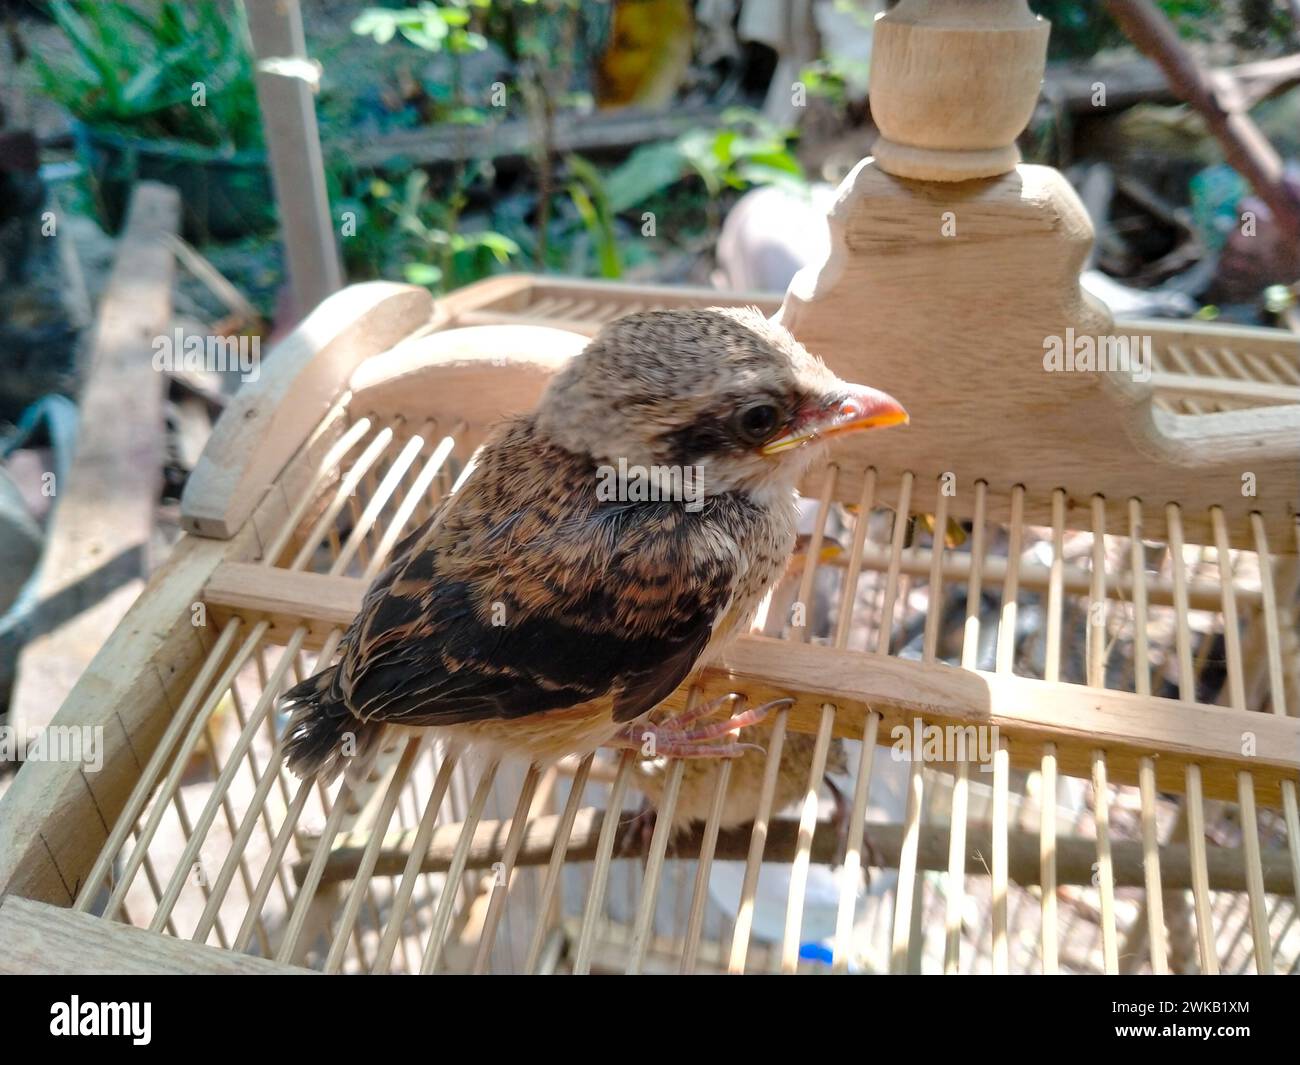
{"x": 323, "y": 734}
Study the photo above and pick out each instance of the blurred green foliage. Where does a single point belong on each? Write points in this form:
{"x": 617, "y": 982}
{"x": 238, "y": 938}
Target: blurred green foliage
{"x": 139, "y": 70}
{"x": 428, "y": 26}
{"x": 745, "y": 152}
{"x": 412, "y": 232}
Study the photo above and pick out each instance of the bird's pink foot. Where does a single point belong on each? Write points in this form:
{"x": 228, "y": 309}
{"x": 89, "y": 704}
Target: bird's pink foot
{"x": 680, "y": 737}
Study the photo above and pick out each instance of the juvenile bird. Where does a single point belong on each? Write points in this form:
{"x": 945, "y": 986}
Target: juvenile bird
{"x": 602, "y": 547}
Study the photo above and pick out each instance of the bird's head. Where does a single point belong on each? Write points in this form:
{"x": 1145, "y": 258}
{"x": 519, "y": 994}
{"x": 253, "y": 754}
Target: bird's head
{"x": 723, "y": 391}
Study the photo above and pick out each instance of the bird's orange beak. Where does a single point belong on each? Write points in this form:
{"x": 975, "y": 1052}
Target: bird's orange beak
{"x": 856, "y": 408}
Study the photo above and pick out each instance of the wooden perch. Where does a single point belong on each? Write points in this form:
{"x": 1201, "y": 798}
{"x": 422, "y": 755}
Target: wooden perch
{"x": 1218, "y": 97}
{"x": 1075, "y": 856}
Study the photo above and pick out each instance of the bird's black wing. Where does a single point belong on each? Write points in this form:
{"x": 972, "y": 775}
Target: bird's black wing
{"x": 627, "y": 620}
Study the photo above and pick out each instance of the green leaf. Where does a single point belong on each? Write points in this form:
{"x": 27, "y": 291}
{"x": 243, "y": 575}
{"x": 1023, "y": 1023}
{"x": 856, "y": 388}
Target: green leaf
{"x": 726, "y": 146}
{"x": 155, "y": 86}
{"x": 503, "y": 249}
{"x": 592, "y": 204}
{"x": 74, "y": 27}
{"x": 780, "y": 159}
{"x": 648, "y": 170}
{"x": 761, "y": 174}
{"x": 422, "y": 274}
{"x": 370, "y": 19}
{"x": 421, "y": 38}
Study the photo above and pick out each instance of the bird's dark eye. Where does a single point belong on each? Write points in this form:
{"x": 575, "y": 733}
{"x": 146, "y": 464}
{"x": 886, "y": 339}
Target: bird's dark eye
{"x": 756, "y": 424}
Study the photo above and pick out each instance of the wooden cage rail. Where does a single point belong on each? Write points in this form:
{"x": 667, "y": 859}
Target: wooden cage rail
{"x": 1070, "y": 715}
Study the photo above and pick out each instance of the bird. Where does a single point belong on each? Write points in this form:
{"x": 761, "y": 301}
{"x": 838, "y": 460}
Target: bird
{"x": 600, "y": 549}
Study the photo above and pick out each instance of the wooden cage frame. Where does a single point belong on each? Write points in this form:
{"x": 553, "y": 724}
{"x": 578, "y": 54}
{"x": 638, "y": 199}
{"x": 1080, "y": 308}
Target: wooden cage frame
{"x": 360, "y": 419}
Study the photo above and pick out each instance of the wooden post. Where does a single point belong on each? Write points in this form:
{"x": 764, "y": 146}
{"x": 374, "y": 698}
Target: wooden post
{"x": 953, "y": 84}
{"x": 297, "y": 167}
{"x": 98, "y": 542}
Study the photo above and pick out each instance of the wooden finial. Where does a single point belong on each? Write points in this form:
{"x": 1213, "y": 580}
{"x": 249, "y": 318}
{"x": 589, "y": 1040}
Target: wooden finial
{"x": 953, "y": 83}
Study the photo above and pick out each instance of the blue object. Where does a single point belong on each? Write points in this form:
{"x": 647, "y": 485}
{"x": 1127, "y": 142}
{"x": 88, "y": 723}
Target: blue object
{"x": 816, "y": 952}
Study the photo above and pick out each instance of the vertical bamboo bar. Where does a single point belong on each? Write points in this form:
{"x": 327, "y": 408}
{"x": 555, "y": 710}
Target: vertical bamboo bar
{"x": 807, "y": 825}
{"x": 703, "y": 866}
{"x": 555, "y": 868}
{"x": 501, "y": 888}
{"x": 252, "y": 913}
{"x": 1231, "y": 626}
{"x": 851, "y": 871}
{"x": 907, "y": 872}
{"x": 643, "y": 924}
{"x": 1097, "y": 597}
{"x": 757, "y": 844}
{"x": 907, "y": 884}
{"x": 1047, "y": 860}
{"x": 370, "y": 855}
{"x": 1272, "y": 632}
{"x": 1195, "y": 793}
{"x": 600, "y": 868}
{"x": 411, "y": 872}
{"x": 1147, "y": 766}
{"x": 885, "y": 633}
{"x": 956, "y": 881}
{"x": 1055, "y": 591}
{"x": 459, "y": 856}
{"x": 934, "y": 608}
{"x": 1263, "y": 945}
{"x": 1011, "y": 583}
{"x": 1097, "y": 634}
{"x": 1105, "y": 871}
{"x": 1200, "y": 871}
{"x": 1151, "y": 869}
{"x": 852, "y": 859}
{"x": 1001, "y": 784}
{"x": 1277, "y": 688}
{"x": 800, "y": 632}
{"x": 1052, "y": 672}
{"x": 808, "y": 814}
{"x": 1245, "y": 783}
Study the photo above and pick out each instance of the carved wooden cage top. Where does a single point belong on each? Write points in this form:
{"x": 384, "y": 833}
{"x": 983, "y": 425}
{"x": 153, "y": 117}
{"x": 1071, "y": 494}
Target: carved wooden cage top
{"x": 1090, "y": 576}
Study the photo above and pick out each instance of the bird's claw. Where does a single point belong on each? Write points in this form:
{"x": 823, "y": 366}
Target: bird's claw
{"x": 672, "y": 739}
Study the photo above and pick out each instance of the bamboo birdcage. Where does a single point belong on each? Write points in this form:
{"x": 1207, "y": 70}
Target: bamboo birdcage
{"x": 1120, "y": 603}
